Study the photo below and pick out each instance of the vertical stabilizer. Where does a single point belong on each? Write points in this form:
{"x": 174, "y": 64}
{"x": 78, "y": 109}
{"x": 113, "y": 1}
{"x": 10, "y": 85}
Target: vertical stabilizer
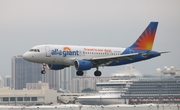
{"x": 146, "y": 39}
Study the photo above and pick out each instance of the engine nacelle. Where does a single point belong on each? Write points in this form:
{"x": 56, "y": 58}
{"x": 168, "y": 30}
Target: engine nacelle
{"x": 56, "y": 66}
{"x": 83, "y": 64}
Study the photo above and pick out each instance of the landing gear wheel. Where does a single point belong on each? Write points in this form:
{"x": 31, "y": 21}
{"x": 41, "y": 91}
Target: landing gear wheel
{"x": 79, "y": 73}
{"x": 97, "y": 73}
{"x": 43, "y": 71}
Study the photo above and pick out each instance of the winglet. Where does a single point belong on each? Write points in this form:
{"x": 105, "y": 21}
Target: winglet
{"x": 146, "y": 39}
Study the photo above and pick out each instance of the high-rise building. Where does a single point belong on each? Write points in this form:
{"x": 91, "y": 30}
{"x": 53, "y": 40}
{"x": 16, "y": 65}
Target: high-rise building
{"x": 24, "y": 72}
{"x": 60, "y": 78}
{"x": 7, "y": 81}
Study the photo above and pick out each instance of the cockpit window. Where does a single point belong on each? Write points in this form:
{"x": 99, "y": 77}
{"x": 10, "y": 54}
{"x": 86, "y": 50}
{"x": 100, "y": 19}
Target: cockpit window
{"x": 34, "y": 50}
{"x": 31, "y": 50}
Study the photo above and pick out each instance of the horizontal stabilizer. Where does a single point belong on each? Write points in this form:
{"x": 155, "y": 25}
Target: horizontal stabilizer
{"x": 164, "y": 52}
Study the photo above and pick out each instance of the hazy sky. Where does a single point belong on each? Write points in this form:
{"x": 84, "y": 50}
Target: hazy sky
{"x": 116, "y": 23}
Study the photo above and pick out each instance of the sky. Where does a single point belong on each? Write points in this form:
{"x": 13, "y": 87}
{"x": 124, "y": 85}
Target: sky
{"x": 114, "y": 23}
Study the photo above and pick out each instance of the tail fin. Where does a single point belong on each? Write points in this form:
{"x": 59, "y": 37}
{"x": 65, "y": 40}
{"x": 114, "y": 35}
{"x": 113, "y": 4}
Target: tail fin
{"x": 146, "y": 39}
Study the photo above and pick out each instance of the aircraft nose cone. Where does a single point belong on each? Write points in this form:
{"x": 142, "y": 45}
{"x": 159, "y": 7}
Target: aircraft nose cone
{"x": 26, "y": 56}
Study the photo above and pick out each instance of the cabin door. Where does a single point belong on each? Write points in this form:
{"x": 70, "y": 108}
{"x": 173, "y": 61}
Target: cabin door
{"x": 48, "y": 51}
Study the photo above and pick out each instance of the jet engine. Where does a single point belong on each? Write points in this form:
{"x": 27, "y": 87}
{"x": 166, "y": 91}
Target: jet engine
{"x": 83, "y": 64}
{"x": 56, "y": 66}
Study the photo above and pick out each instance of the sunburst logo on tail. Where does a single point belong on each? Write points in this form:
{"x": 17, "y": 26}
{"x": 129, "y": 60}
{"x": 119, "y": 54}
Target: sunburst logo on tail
{"x": 146, "y": 40}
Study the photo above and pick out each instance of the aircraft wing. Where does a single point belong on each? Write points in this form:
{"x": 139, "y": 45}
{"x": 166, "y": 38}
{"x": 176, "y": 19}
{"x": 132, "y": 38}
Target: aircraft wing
{"x": 108, "y": 59}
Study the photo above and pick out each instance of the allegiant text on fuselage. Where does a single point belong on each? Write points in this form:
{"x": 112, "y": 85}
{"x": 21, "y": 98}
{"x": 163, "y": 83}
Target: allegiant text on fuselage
{"x": 65, "y": 53}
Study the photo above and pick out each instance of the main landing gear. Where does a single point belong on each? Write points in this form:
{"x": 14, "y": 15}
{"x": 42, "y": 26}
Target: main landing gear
{"x": 79, "y": 73}
{"x": 96, "y": 73}
{"x": 43, "y": 71}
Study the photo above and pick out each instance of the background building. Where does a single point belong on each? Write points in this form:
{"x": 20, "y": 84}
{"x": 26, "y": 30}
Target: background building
{"x": 37, "y": 86}
{"x": 60, "y": 78}
{"x": 84, "y": 82}
{"x": 7, "y": 81}
{"x": 27, "y": 72}
{"x": 24, "y": 72}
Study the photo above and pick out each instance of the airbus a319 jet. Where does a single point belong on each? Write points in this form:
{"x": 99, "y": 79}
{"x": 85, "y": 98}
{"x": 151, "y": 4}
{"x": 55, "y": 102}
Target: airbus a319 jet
{"x": 58, "y": 57}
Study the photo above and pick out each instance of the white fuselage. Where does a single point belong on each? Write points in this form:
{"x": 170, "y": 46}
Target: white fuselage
{"x": 63, "y": 54}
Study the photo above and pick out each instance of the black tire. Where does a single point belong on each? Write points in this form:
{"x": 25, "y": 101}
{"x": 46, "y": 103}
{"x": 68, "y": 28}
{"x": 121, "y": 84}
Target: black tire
{"x": 97, "y": 73}
{"x": 79, "y": 73}
{"x": 43, "y": 71}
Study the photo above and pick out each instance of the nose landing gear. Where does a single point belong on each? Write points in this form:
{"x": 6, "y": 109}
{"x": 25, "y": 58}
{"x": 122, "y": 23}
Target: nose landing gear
{"x": 43, "y": 71}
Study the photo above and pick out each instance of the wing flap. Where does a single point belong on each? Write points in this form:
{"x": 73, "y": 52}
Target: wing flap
{"x": 105, "y": 60}
{"x": 115, "y": 57}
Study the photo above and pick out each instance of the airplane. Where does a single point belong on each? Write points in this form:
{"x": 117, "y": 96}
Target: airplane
{"x": 58, "y": 57}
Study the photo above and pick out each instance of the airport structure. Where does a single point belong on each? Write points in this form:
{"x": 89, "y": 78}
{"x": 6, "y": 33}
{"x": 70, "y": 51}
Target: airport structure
{"x": 96, "y": 107}
{"x": 27, "y": 97}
